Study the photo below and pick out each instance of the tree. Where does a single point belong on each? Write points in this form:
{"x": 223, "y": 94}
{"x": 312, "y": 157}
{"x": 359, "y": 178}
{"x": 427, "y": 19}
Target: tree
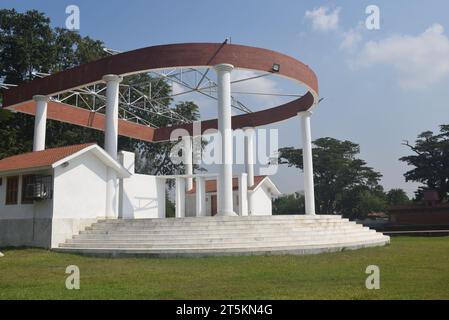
{"x": 361, "y": 200}
{"x": 289, "y": 204}
{"x": 338, "y": 174}
{"x": 397, "y": 197}
{"x": 27, "y": 45}
{"x": 430, "y": 161}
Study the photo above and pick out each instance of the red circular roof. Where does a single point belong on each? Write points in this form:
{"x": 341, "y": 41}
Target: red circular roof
{"x": 159, "y": 57}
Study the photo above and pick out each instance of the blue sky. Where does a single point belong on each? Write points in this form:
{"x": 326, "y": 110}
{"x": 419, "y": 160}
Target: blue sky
{"x": 380, "y": 87}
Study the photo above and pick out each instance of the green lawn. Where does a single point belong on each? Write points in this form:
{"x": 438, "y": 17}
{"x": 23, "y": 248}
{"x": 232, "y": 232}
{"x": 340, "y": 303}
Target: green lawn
{"x": 411, "y": 268}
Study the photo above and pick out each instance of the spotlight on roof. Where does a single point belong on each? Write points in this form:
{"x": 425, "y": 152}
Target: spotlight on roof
{"x": 276, "y": 67}
{"x": 111, "y": 51}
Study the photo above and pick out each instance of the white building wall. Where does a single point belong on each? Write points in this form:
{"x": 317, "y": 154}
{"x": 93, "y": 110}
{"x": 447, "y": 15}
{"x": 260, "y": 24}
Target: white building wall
{"x": 142, "y": 196}
{"x": 191, "y": 205}
{"x": 25, "y": 224}
{"x": 79, "y": 196}
{"x": 261, "y": 202}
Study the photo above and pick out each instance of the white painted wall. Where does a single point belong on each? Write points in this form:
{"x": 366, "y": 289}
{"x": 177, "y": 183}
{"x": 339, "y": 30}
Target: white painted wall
{"x": 80, "y": 188}
{"x": 79, "y": 196}
{"x": 191, "y": 205}
{"x": 142, "y": 196}
{"x": 261, "y": 201}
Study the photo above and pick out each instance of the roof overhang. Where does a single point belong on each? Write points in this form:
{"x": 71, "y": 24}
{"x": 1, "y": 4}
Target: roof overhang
{"x": 270, "y": 184}
{"x": 24, "y": 171}
{"x": 102, "y": 155}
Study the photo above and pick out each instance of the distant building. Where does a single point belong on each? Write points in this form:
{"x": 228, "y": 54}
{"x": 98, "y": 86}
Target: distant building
{"x": 430, "y": 211}
{"x": 260, "y": 197}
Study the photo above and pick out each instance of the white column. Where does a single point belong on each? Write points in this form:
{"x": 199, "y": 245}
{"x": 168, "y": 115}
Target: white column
{"x": 180, "y": 197}
{"x": 309, "y": 192}
{"x": 225, "y": 131}
{"x": 40, "y": 122}
{"x": 111, "y": 141}
{"x": 200, "y": 184}
{"x": 243, "y": 194}
{"x": 249, "y": 154}
{"x": 188, "y": 161}
{"x": 111, "y": 124}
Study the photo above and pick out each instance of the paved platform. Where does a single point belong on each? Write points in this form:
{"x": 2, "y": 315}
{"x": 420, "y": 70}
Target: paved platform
{"x": 222, "y": 236}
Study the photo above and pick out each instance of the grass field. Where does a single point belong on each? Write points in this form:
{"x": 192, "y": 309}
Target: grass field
{"x": 410, "y": 268}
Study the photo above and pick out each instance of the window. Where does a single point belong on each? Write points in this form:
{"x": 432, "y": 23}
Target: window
{"x": 36, "y": 187}
{"x": 26, "y": 181}
{"x": 12, "y": 190}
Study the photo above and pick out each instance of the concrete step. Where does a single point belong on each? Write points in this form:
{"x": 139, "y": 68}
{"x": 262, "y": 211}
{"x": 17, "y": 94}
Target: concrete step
{"x": 222, "y": 235}
{"x": 157, "y": 222}
{"x": 221, "y": 231}
{"x": 253, "y": 244}
{"x": 227, "y": 218}
{"x": 223, "y": 226}
{"x": 224, "y": 239}
{"x": 174, "y": 252}
{"x": 200, "y": 235}
{"x": 237, "y": 220}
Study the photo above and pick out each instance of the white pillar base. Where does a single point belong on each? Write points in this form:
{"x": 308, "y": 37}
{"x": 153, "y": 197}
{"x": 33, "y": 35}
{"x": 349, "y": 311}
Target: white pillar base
{"x": 200, "y": 183}
{"x": 180, "y": 198}
{"x": 226, "y": 214}
{"x": 243, "y": 195}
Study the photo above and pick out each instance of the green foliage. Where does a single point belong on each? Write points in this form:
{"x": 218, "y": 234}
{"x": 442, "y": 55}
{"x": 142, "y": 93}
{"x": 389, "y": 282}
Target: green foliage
{"x": 28, "y": 44}
{"x": 289, "y": 204}
{"x": 169, "y": 207}
{"x": 430, "y": 161}
{"x": 341, "y": 179}
{"x": 361, "y": 201}
{"x": 397, "y": 197}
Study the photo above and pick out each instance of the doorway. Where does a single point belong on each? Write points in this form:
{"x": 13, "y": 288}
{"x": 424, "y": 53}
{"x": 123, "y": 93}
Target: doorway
{"x": 213, "y": 204}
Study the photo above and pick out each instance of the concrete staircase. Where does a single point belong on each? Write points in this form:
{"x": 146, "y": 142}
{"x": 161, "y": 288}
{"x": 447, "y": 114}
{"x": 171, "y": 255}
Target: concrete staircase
{"x": 207, "y": 236}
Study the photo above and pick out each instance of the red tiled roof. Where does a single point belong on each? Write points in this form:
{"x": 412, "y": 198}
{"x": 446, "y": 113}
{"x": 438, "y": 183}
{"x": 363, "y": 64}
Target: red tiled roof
{"x": 211, "y": 185}
{"x": 39, "y": 159}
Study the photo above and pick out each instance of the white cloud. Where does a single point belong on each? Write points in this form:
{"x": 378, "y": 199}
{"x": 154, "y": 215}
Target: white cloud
{"x": 419, "y": 61}
{"x": 324, "y": 19}
{"x": 258, "y": 85}
{"x": 262, "y": 84}
{"x": 255, "y": 102}
{"x": 351, "y": 38}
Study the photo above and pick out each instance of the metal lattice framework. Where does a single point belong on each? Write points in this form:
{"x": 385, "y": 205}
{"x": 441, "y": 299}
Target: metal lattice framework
{"x": 142, "y": 97}
{"x": 78, "y": 95}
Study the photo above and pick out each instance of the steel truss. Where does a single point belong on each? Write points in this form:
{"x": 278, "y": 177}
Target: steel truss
{"x": 136, "y": 99}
